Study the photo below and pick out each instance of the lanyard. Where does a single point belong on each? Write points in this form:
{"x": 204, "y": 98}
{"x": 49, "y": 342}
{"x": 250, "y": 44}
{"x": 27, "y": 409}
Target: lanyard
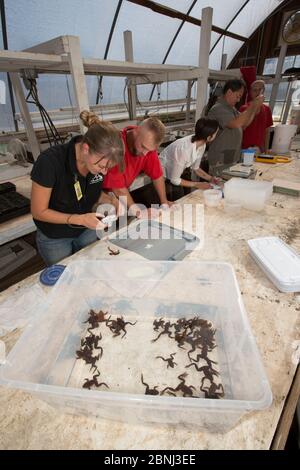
{"x": 77, "y": 188}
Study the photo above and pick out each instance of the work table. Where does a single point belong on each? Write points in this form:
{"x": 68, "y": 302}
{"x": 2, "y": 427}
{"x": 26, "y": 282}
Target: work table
{"x": 20, "y": 226}
{"x": 28, "y": 423}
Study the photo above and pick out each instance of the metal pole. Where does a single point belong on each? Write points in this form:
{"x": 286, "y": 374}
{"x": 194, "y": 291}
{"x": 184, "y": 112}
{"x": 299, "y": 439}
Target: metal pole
{"x": 279, "y": 68}
{"x": 188, "y": 100}
{"x": 205, "y": 37}
{"x": 224, "y": 62}
{"x": 132, "y": 97}
{"x": 290, "y": 92}
{"x": 108, "y": 46}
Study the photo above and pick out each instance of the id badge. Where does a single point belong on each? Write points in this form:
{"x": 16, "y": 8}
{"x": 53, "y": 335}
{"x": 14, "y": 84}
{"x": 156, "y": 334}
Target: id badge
{"x": 78, "y": 190}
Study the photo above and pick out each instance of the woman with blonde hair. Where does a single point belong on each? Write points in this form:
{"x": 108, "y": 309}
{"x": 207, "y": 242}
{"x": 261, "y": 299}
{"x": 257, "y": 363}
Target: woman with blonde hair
{"x": 67, "y": 183}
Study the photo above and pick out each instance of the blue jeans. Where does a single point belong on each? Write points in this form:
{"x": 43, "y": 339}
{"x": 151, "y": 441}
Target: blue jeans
{"x": 53, "y": 250}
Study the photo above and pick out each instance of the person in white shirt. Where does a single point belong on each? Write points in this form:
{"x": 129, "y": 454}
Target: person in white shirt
{"x": 186, "y": 153}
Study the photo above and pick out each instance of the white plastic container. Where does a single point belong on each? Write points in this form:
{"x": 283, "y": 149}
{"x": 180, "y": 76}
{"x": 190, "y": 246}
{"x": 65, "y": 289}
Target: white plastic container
{"x": 43, "y": 359}
{"x": 250, "y": 194}
{"x": 212, "y": 197}
{"x": 280, "y": 262}
{"x": 283, "y": 135}
{"x": 248, "y": 156}
{"x": 295, "y": 116}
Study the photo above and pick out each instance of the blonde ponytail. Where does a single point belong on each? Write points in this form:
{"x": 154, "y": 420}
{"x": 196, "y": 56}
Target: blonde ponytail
{"x": 103, "y": 138}
{"x": 88, "y": 118}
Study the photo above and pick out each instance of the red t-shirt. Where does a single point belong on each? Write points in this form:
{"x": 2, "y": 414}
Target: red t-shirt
{"x": 134, "y": 165}
{"x": 254, "y": 134}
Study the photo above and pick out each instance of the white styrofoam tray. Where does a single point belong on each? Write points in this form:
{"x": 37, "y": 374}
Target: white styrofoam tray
{"x": 279, "y": 262}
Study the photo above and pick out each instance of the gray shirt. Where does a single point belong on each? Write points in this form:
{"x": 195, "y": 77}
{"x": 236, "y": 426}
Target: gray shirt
{"x": 225, "y": 150}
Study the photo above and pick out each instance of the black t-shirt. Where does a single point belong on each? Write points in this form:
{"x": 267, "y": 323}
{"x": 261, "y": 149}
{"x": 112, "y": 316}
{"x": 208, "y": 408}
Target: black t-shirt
{"x": 56, "y": 168}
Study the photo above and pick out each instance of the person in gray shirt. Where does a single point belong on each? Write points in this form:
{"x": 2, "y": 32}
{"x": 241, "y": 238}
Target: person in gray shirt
{"x": 225, "y": 150}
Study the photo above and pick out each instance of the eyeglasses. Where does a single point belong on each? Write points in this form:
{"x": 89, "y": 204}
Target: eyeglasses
{"x": 106, "y": 167}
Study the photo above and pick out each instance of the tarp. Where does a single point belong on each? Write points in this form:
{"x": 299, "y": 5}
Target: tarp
{"x": 30, "y": 22}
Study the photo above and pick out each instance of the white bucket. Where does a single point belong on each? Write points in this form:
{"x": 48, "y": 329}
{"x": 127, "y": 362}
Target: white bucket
{"x": 282, "y": 137}
{"x": 295, "y": 115}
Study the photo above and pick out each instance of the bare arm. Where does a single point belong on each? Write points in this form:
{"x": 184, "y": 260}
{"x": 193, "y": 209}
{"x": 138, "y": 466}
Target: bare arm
{"x": 197, "y": 184}
{"x": 160, "y": 187}
{"x": 194, "y": 184}
{"x": 133, "y": 209}
{"x": 106, "y": 198}
{"x": 40, "y": 197}
{"x": 202, "y": 174}
{"x": 245, "y": 118}
{"x": 118, "y": 192}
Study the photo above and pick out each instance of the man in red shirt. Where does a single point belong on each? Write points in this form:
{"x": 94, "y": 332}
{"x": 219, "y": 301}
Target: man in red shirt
{"x": 256, "y": 134}
{"x": 141, "y": 143}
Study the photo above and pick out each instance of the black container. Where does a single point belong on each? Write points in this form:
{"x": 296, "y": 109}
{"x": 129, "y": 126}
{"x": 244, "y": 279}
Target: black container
{"x": 7, "y": 187}
{"x": 13, "y": 205}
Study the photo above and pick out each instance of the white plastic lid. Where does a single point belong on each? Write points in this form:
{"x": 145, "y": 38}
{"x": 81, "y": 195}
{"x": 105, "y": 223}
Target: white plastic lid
{"x": 283, "y": 287}
{"x": 280, "y": 260}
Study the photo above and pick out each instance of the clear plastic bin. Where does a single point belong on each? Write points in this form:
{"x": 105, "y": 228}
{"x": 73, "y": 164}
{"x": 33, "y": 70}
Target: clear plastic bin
{"x": 212, "y": 197}
{"x": 43, "y": 359}
{"x": 250, "y": 194}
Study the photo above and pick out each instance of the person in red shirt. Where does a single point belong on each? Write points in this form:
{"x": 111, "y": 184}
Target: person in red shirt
{"x": 141, "y": 143}
{"x": 257, "y": 133}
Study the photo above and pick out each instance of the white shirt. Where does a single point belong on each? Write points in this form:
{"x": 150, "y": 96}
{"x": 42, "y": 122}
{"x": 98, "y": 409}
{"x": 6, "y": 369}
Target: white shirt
{"x": 179, "y": 155}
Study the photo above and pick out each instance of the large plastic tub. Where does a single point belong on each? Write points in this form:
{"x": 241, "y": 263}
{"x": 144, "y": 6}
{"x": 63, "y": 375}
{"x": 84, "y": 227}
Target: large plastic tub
{"x": 43, "y": 359}
{"x": 250, "y": 194}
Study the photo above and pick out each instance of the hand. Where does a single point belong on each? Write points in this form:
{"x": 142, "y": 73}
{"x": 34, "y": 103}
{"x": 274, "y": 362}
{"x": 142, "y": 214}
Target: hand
{"x": 216, "y": 181}
{"x": 258, "y": 101}
{"x": 166, "y": 204}
{"x": 91, "y": 221}
{"x": 202, "y": 185}
{"x": 171, "y": 207}
{"x": 148, "y": 213}
{"x": 120, "y": 209}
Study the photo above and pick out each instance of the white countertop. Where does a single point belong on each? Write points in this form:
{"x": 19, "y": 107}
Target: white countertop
{"x": 28, "y": 423}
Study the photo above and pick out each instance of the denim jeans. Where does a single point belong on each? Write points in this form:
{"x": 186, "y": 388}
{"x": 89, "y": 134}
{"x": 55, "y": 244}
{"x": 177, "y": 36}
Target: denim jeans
{"x": 53, "y": 250}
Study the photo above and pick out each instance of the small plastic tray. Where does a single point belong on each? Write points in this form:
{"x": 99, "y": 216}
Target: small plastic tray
{"x": 279, "y": 262}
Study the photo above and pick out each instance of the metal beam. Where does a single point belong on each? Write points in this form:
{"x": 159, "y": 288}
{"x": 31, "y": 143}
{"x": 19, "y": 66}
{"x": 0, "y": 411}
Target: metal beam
{"x": 112, "y": 29}
{"x": 205, "y": 38}
{"x": 188, "y": 100}
{"x": 132, "y": 96}
{"x": 229, "y": 24}
{"x": 288, "y": 103}
{"x": 279, "y": 68}
{"x": 158, "y": 8}
{"x": 173, "y": 41}
{"x": 224, "y": 62}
